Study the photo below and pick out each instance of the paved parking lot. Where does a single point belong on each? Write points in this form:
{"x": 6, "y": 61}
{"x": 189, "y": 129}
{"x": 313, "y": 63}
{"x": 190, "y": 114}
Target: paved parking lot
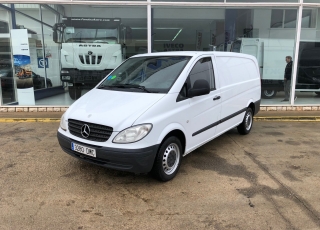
{"x": 268, "y": 179}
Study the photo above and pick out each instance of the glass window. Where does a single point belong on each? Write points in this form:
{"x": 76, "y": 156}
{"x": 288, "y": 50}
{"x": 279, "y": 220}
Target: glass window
{"x": 187, "y": 0}
{"x": 283, "y": 18}
{"x": 277, "y": 19}
{"x": 307, "y": 85}
{"x": 203, "y": 69}
{"x": 253, "y": 1}
{"x": 8, "y": 94}
{"x": 309, "y": 17}
{"x": 31, "y": 10}
{"x": 290, "y": 19}
{"x": 248, "y": 31}
{"x": 156, "y": 74}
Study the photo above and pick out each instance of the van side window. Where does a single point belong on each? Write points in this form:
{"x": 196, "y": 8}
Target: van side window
{"x": 203, "y": 69}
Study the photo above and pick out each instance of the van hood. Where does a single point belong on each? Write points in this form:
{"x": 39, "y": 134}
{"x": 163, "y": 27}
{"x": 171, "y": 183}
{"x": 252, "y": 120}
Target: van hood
{"x": 116, "y": 109}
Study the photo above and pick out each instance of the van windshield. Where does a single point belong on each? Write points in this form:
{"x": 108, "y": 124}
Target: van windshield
{"x": 146, "y": 74}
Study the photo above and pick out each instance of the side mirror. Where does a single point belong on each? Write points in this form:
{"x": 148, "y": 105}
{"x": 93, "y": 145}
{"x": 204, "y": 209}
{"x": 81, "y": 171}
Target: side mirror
{"x": 200, "y": 87}
{"x": 56, "y": 35}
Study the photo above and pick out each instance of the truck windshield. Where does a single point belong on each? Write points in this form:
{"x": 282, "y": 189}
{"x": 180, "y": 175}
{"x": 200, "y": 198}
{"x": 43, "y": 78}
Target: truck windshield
{"x": 146, "y": 74}
{"x": 85, "y": 35}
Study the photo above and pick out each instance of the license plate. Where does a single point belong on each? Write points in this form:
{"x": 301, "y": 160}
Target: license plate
{"x": 83, "y": 149}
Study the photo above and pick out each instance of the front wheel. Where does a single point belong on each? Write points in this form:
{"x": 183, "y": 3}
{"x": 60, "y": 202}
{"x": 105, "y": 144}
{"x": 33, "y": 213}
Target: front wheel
{"x": 168, "y": 159}
{"x": 245, "y": 127}
{"x": 268, "y": 93}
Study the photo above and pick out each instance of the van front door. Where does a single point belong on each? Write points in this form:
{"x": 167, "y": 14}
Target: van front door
{"x": 204, "y": 111}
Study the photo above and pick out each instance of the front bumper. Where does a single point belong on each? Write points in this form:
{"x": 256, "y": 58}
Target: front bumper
{"x": 85, "y": 76}
{"x": 130, "y": 160}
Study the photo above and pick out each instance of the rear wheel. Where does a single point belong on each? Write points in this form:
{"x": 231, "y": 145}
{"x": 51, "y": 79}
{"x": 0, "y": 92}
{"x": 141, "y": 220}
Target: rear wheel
{"x": 245, "y": 127}
{"x": 168, "y": 159}
{"x": 268, "y": 93}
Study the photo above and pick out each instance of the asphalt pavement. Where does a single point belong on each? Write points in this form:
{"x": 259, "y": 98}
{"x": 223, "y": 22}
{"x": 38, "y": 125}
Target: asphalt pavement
{"x": 268, "y": 179}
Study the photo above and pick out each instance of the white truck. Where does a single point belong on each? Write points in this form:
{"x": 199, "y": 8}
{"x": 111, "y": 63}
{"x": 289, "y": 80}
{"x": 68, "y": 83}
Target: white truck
{"x": 90, "y": 49}
{"x": 271, "y": 54}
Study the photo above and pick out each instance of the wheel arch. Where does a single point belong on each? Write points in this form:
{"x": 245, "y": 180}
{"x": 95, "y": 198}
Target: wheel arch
{"x": 251, "y": 105}
{"x": 174, "y": 130}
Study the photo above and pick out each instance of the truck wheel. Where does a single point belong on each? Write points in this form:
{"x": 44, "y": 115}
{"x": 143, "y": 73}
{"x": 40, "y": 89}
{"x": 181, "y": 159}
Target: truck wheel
{"x": 75, "y": 92}
{"x": 268, "y": 93}
{"x": 318, "y": 93}
{"x": 168, "y": 159}
{"x": 245, "y": 127}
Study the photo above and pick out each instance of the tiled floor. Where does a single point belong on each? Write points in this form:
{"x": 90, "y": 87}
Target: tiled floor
{"x": 303, "y": 98}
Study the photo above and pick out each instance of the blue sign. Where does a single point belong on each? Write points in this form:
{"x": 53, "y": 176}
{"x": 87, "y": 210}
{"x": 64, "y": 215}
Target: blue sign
{"x": 43, "y": 62}
{"x": 20, "y": 60}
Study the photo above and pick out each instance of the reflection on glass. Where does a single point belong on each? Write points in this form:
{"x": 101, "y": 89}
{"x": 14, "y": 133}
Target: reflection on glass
{"x": 147, "y": 74}
{"x": 93, "y": 44}
{"x": 277, "y": 19}
{"x": 6, "y": 71}
{"x": 290, "y": 19}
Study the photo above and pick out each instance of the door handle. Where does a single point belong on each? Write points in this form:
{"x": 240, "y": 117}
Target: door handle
{"x": 216, "y": 98}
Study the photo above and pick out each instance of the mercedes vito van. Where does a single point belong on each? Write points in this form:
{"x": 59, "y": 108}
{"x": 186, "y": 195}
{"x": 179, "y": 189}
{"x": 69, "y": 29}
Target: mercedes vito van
{"x": 156, "y": 108}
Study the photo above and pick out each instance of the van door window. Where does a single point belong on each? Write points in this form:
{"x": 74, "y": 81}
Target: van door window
{"x": 203, "y": 69}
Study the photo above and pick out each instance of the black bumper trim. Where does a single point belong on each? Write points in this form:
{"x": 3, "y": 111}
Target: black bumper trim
{"x": 130, "y": 160}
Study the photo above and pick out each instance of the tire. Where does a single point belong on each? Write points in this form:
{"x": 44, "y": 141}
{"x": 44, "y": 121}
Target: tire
{"x": 168, "y": 159}
{"x": 268, "y": 93}
{"x": 75, "y": 92}
{"x": 49, "y": 84}
{"x": 318, "y": 93}
{"x": 245, "y": 127}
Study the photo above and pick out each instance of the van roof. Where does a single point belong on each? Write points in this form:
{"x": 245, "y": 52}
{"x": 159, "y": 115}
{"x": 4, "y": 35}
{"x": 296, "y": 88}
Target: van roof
{"x": 195, "y": 54}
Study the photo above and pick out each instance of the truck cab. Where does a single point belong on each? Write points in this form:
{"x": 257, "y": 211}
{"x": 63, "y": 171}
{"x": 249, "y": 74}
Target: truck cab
{"x": 90, "y": 49}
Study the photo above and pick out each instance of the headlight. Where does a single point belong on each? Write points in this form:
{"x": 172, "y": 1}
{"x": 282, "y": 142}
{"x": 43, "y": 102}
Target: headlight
{"x": 132, "y": 134}
{"x": 64, "y": 71}
{"x": 63, "y": 123}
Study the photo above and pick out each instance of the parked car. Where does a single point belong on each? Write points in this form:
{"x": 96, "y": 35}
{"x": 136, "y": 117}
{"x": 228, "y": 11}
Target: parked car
{"x": 7, "y": 80}
{"x": 156, "y": 108}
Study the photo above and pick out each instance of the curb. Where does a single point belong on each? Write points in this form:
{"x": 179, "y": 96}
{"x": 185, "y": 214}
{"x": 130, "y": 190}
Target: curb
{"x": 8, "y": 120}
{"x": 289, "y": 118}
{"x": 275, "y": 118}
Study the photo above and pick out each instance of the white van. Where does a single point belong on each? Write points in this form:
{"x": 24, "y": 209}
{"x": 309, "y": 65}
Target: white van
{"x": 156, "y": 108}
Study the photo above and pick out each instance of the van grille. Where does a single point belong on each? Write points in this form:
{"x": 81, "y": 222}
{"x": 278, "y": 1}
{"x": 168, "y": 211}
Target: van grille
{"x": 90, "y": 59}
{"x": 99, "y": 133}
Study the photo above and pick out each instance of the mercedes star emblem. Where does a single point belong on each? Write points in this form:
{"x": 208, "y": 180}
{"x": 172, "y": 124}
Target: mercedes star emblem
{"x": 85, "y": 131}
{"x": 90, "y": 52}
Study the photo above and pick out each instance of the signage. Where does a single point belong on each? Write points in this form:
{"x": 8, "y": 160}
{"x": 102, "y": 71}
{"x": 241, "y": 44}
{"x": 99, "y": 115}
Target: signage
{"x": 22, "y": 64}
{"x": 43, "y": 62}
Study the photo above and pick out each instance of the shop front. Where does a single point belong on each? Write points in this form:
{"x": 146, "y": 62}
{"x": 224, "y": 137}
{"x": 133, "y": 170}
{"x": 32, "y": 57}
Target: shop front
{"x": 52, "y": 54}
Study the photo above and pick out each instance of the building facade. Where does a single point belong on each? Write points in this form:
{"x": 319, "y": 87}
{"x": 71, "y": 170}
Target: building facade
{"x": 52, "y": 52}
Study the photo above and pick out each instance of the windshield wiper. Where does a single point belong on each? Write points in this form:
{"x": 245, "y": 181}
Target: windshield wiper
{"x": 124, "y": 86}
{"x": 104, "y": 86}
{"x": 137, "y": 87}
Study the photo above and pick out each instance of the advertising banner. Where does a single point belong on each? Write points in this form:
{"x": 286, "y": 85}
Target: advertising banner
{"x": 22, "y": 64}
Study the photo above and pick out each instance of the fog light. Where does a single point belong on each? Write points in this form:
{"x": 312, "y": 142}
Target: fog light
{"x": 64, "y": 71}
